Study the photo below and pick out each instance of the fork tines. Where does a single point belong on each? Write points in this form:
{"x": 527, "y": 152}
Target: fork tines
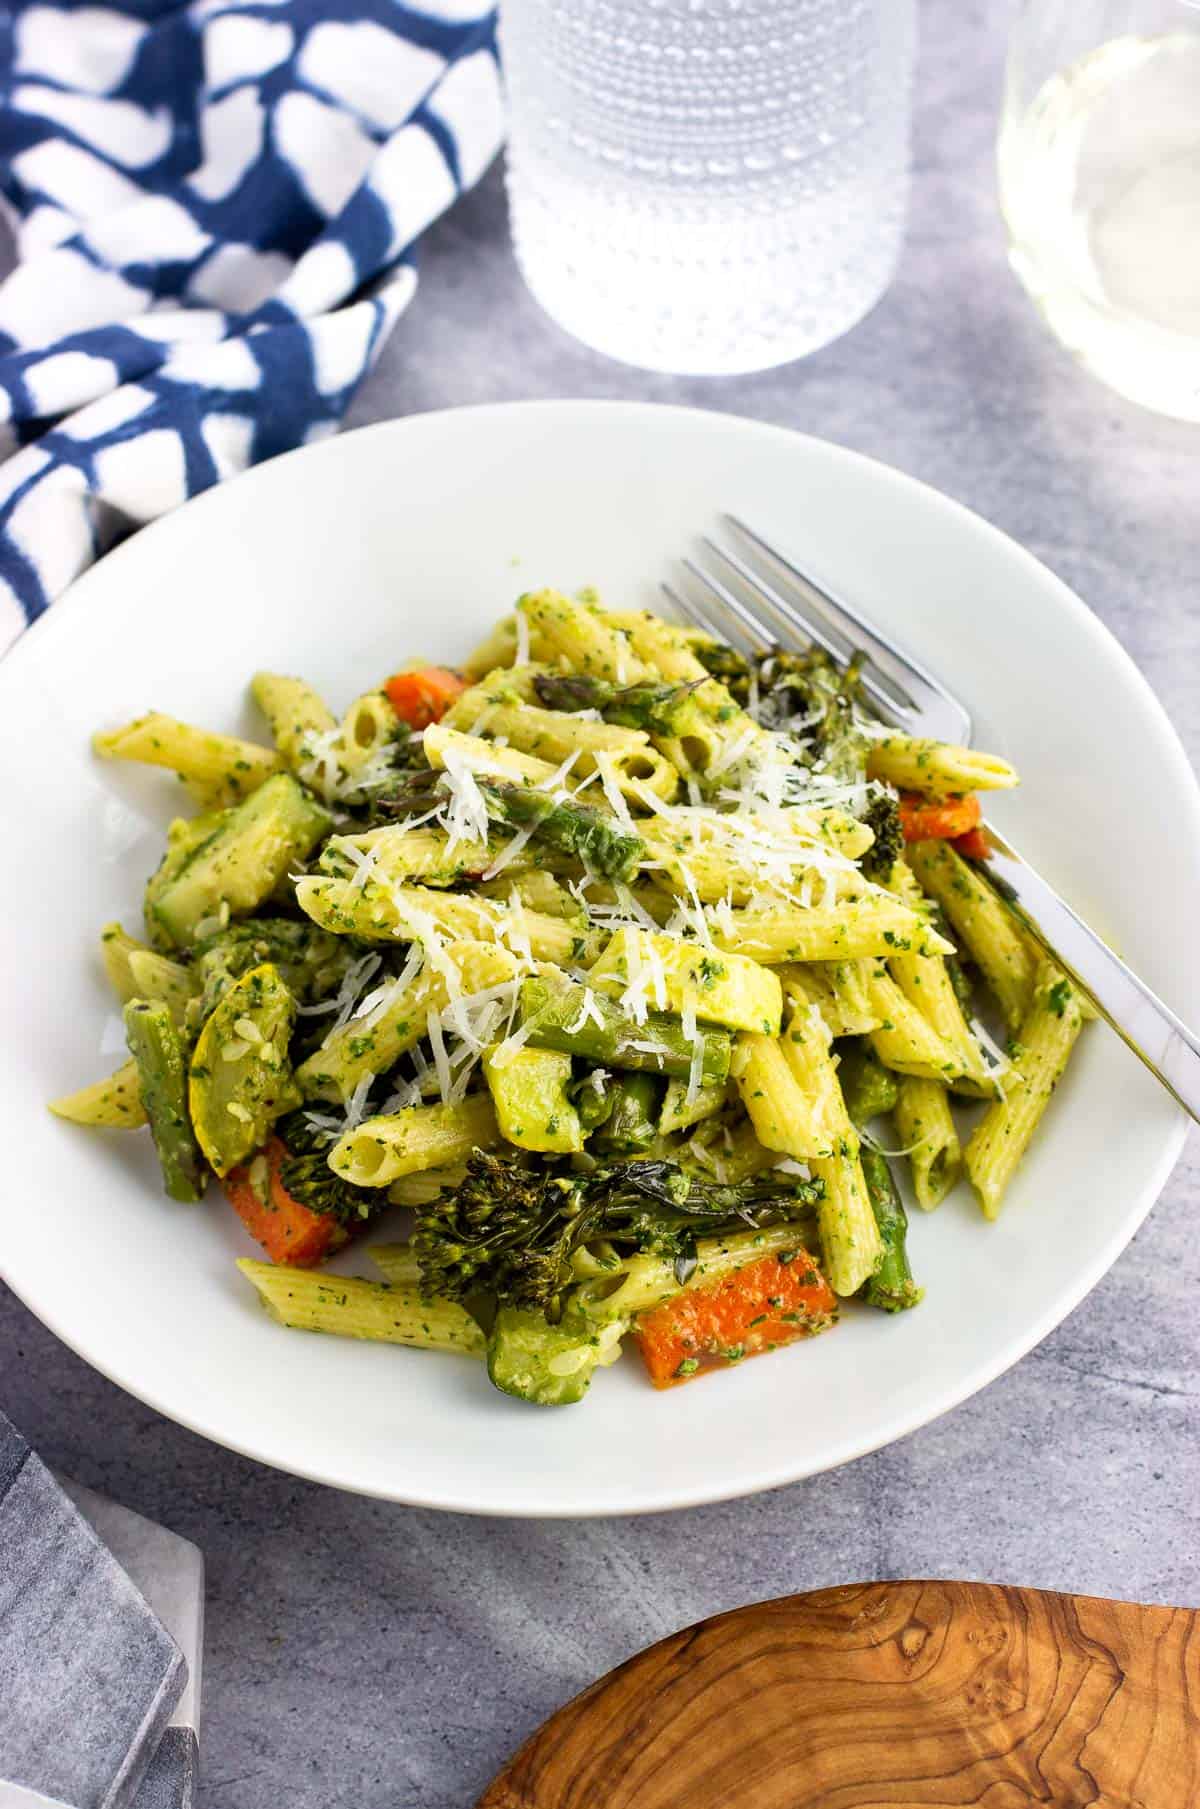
{"x": 730, "y": 597}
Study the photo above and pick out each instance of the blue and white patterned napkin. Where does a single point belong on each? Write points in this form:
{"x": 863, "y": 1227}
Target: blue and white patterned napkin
{"x": 216, "y": 205}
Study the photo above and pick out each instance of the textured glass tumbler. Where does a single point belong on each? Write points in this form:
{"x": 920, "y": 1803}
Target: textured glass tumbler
{"x": 1099, "y": 166}
{"x": 708, "y": 186}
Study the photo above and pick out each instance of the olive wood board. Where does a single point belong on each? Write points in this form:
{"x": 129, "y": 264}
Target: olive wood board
{"x": 921, "y": 1694}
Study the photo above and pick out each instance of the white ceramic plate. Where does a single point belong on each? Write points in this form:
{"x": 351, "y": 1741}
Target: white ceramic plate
{"x": 340, "y": 561}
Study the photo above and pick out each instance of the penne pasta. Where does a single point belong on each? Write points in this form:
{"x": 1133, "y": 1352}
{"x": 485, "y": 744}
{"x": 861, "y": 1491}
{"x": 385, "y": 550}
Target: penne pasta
{"x": 850, "y": 1243}
{"x": 581, "y": 638}
{"x": 1044, "y": 1044}
{"x": 379, "y": 913}
{"x": 395, "y": 1018}
{"x": 403, "y": 1143}
{"x": 904, "y": 1040}
{"x": 822, "y": 1127}
{"x": 642, "y": 968}
{"x": 983, "y": 921}
{"x": 218, "y": 770}
{"x": 347, "y": 1307}
{"x": 114, "y": 1102}
{"x": 867, "y": 925}
{"x": 783, "y": 1115}
{"x": 928, "y": 1136}
{"x": 937, "y": 767}
{"x": 295, "y": 714}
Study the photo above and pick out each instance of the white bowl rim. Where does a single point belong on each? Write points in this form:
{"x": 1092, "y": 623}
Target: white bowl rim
{"x": 1169, "y": 748}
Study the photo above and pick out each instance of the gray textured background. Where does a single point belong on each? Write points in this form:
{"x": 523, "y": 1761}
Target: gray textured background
{"x": 365, "y": 1655}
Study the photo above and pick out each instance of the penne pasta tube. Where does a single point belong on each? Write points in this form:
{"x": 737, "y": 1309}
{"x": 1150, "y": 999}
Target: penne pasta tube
{"x": 984, "y": 923}
{"x": 854, "y": 927}
{"x": 295, "y": 713}
{"x": 822, "y": 1126}
{"x": 1045, "y": 1041}
{"x": 937, "y": 767}
{"x": 379, "y": 913}
{"x": 348, "y": 1307}
{"x": 582, "y": 638}
{"x": 218, "y": 770}
{"x": 927, "y": 1133}
{"x": 784, "y": 1116}
{"x": 904, "y": 1040}
{"x": 115, "y": 1101}
{"x": 382, "y": 1149}
{"x": 367, "y": 727}
{"x": 850, "y": 1241}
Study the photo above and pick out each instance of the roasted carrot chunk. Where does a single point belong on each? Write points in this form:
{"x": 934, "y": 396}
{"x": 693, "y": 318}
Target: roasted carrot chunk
{"x": 756, "y": 1309}
{"x": 941, "y": 819}
{"x": 974, "y": 846}
{"x": 288, "y": 1230}
{"x": 423, "y": 695}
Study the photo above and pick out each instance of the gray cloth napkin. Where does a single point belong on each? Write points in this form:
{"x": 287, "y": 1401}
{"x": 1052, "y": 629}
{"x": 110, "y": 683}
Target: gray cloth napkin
{"x": 90, "y": 1677}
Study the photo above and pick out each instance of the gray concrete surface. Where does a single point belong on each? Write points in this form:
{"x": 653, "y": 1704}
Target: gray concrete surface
{"x": 365, "y": 1655}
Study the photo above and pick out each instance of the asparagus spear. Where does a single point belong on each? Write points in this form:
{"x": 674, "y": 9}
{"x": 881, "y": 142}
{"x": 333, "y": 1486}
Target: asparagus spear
{"x": 891, "y": 1287}
{"x": 869, "y": 1089}
{"x": 594, "y": 1098}
{"x": 157, "y": 1048}
{"x": 570, "y": 828}
{"x": 566, "y": 1016}
{"x": 631, "y": 1125}
{"x": 659, "y": 709}
{"x": 413, "y": 793}
{"x": 867, "y": 1086}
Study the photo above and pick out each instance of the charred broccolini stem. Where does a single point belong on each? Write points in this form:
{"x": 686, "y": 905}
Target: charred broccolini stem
{"x": 577, "y": 1021}
{"x": 658, "y": 709}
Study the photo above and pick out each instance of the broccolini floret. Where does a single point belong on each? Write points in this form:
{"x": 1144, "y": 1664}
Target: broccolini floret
{"x": 307, "y": 1176}
{"x": 511, "y": 1232}
{"x": 882, "y": 817}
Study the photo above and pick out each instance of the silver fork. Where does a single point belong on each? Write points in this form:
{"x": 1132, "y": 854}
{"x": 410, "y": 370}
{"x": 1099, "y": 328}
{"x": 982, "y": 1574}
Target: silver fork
{"x": 741, "y": 604}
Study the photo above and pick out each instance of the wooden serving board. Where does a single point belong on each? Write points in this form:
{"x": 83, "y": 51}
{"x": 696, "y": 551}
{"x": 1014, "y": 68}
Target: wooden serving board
{"x": 879, "y": 1694}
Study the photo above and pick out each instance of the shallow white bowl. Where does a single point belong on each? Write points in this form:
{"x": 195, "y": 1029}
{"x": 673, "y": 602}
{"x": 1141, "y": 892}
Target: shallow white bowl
{"x": 339, "y": 562}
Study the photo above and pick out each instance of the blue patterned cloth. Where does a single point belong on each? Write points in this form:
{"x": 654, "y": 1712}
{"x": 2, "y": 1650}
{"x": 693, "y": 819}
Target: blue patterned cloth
{"x": 215, "y": 207}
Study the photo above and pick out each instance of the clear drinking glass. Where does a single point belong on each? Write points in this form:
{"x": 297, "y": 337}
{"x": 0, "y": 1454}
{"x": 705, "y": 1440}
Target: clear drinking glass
{"x": 1099, "y": 165}
{"x": 708, "y": 186}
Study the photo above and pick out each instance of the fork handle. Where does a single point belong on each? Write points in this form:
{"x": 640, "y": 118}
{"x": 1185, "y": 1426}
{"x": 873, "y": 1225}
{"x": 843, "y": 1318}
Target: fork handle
{"x": 1148, "y": 1027}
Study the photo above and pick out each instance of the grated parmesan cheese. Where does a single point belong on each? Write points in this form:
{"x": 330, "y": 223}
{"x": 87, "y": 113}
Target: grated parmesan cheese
{"x": 589, "y": 1013}
{"x": 696, "y": 1069}
{"x": 612, "y": 791}
{"x": 522, "y": 622}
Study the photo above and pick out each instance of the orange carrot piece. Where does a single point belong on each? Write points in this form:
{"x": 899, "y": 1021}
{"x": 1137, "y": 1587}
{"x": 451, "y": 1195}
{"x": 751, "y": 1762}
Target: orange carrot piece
{"x": 423, "y": 695}
{"x": 974, "y": 846}
{"x": 943, "y": 819}
{"x": 288, "y": 1230}
{"x": 756, "y": 1309}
